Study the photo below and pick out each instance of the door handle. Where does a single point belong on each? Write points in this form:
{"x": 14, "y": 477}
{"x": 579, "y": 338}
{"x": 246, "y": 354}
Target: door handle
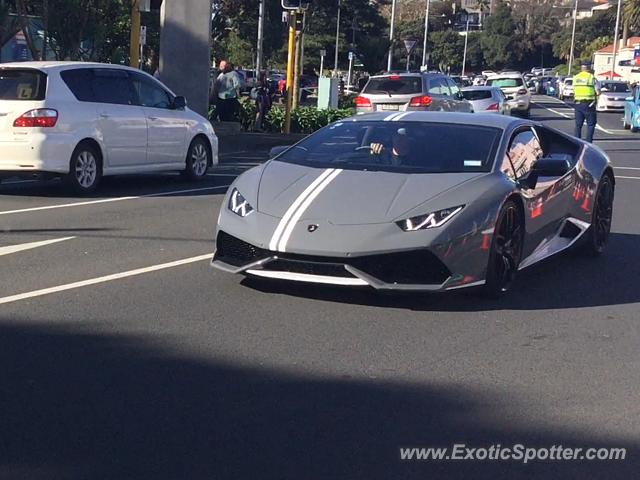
{"x": 153, "y": 118}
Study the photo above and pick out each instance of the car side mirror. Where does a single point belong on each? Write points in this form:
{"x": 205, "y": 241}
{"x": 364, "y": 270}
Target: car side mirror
{"x": 545, "y": 167}
{"x": 275, "y": 151}
{"x": 179, "y": 103}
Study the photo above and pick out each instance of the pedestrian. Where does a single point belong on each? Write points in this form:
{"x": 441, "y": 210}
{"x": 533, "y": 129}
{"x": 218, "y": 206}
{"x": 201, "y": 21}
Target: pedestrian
{"x": 585, "y": 93}
{"x": 262, "y": 96}
{"x": 226, "y": 91}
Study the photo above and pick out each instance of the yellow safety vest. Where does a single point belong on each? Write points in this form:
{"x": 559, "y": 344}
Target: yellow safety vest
{"x": 584, "y": 86}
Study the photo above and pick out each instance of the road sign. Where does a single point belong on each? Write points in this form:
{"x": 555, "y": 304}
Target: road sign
{"x": 295, "y": 4}
{"x": 323, "y": 53}
{"x": 410, "y": 45}
{"x": 143, "y": 35}
{"x": 351, "y": 55}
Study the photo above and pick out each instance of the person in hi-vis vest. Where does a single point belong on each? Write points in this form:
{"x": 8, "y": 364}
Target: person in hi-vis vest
{"x": 585, "y": 94}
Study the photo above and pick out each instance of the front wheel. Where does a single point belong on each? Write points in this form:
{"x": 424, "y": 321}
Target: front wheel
{"x": 198, "y": 159}
{"x": 506, "y": 250}
{"x": 85, "y": 169}
{"x": 598, "y": 234}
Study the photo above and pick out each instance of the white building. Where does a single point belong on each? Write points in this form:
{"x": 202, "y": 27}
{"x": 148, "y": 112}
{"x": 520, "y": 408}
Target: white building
{"x": 603, "y": 62}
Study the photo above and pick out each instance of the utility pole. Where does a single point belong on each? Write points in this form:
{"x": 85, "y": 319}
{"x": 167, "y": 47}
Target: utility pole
{"x": 615, "y": 41}
{"x": 391, "y": 31}
{"x": 295, "y": 90}
{"x": 134, "y": 52}
{"x": 45, "y": 27}
{"x": 466, "y": 41}
{"x": 335, "y": 62}
{"x": 260, "y": 39}
{"x": 426, "y": 33}
{"x": 573, "y": 36}
{"x": 290, "y": 61}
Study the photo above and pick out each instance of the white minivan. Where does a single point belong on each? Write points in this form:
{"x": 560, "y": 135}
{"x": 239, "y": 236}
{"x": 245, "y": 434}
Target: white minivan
{"x": 83, "y": 121}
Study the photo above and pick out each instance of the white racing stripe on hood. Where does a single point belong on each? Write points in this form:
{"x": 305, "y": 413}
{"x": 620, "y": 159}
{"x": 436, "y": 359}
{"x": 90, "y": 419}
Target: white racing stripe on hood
{"x": 282, "y": 245}
{"x": 273, "y": 244}
{"x": 390, "y": 117}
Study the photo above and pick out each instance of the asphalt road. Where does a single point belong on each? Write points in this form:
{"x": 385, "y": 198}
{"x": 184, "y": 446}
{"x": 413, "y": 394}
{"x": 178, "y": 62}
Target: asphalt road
{"x": 124, "y": 355}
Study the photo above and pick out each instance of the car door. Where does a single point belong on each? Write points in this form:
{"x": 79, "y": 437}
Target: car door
{"x": 167, "y": 127}
{"x": 544, "y": 206}
{"x": 440, "y": 94}
{"x": 121, "y": 123}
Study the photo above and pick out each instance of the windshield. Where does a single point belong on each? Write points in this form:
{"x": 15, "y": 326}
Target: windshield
{"x": 505, "y": 82}
{"x": 394, "y": 84}
{"x": 22, "y": 84}
{"x": 615, "y": 87}
{"x": 476, "y": 94}
{"x": 411, "y": 147}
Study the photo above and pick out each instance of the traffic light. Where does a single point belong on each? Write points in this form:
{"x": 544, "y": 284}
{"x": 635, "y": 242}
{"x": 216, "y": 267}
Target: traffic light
{"x": 295, "y": 4}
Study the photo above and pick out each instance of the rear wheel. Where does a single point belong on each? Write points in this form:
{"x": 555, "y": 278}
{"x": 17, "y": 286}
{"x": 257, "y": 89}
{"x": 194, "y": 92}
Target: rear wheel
{"x": 506, "y": 250}
{"x": 598, "y": 234}
{"x": 198, "y": 159}
{"x": 85, "y": 169}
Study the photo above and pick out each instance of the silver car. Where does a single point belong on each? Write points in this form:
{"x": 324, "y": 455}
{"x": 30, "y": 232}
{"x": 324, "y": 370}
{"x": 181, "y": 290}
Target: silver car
{"x": 514, "y": 88}
{"x": 405, "y": 92}
{"x": 486, "y": 100}
{"x": 612, "y": 96}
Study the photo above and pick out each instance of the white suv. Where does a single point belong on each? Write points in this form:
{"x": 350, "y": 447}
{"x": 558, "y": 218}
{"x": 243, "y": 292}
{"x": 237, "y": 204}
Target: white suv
{"x": 514, "y": 88}
{"x": 86, "y": 120}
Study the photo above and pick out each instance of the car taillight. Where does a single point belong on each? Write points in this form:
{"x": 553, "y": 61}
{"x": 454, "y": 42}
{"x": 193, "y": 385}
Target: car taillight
{"x": 522, "y": 91}
{"x": 423, "y": 101}
{"x": 41, "y": 117}
{"x": 493, "y": 106}
{"x": 394, "y": 77}
{"x": 363, "y": 102}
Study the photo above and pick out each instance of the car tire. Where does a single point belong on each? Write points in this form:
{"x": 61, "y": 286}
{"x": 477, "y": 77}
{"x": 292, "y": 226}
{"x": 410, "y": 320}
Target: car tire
{"x": 527, "y": 113}
{"x": 506, "y": 250}
{"x": 85, "y": 169}
{"x": 597, "y": 235}
{"x": 198, "y": 159}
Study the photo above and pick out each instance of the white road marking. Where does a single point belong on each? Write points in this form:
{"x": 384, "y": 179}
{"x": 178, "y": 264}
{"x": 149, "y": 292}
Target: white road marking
{"x": 628, "y": 178}
{"x": 282, "y": 245}
{"x": 109, "y": 200}
{"x": 8, "y": 250}
{"x": 627, "y": 168}
{"x": 106, "y": 278}
{"x": 273, "y": 244}
{"x": 598, "y": 127}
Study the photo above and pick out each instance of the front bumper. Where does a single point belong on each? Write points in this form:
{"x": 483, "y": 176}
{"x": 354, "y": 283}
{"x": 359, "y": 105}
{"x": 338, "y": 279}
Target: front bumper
{"x": 409, "y": 270}
{"x": 610, "y": 107}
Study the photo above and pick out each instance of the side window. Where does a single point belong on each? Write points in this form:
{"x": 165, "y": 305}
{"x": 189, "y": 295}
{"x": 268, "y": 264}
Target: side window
{"x": 111, "y": 86}
{"x": 524, "y": 151}
{"x": 150, "y": 93}
{"x": 453, "y": 86}
{"x": 79, "y": 82}
{"x": 438, "y": 86}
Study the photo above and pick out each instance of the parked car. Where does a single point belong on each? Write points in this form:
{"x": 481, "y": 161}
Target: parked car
{"x": 566, "y": 89}
{"x": 514, "y": 88}
{"x": 632, "y": 111}
{"x": 83, "y": 121}
{"x": 461, "y": 81}
{"x": 486, "y": 100}
{"x": 612, "y": 96}
{"x": 428, "y": 201}
{"x": 401, "y": 92}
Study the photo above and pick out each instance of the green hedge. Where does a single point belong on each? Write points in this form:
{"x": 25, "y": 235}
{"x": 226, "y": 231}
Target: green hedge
{"x": 303, "y": 119}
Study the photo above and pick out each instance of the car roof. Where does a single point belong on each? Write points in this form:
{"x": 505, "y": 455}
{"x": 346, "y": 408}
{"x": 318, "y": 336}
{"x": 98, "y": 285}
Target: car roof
{"x": 497, "y": 121}
{"x": 50, "y": 65}
{"x": 504, "y": 75}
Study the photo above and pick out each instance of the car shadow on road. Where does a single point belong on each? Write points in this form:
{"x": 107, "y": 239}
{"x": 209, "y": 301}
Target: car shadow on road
{"x": 103, "y": 406}
{"x": 569, "y": 280}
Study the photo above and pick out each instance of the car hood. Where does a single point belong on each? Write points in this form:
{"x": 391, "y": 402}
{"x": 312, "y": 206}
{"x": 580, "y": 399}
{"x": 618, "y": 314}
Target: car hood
{"x": 350, "y": 197}
{"x": 620, "y": 95}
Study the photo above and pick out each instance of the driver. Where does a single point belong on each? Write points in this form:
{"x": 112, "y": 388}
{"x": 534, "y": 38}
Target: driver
{"x": 400, "y": 152}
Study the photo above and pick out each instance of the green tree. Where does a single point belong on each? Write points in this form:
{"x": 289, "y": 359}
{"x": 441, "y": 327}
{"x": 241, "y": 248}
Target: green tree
{"x": 498, "y": 40}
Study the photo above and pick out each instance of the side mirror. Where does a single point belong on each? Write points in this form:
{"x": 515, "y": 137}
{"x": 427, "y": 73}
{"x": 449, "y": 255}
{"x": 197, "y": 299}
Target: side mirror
{"x": 275, "y": 151}
{"x": 179, "y": 103}
{"x": 545, "y": 167}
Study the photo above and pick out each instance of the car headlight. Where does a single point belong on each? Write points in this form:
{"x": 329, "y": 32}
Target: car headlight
{"x": 430, "y": 220}
{"x": 238, "y": 204}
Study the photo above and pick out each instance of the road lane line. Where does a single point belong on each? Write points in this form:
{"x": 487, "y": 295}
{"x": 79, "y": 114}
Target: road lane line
{"x": 627, "y": 168}
{"x": 109, "y": 200}
{"x": 598, "y": 127}
{"x": 104, "y": 279}
{"x": 8, "y": 250}
{"x": 628, "y": 178}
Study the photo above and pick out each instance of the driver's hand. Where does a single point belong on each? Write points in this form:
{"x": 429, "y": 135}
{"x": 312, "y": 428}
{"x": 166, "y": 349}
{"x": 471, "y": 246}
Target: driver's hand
{"x": 376, "y": 148}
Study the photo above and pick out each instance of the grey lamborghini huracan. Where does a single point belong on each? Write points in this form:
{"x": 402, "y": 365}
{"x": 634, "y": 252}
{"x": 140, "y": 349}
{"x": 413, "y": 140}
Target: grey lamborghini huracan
{"x": 422, "y": 201}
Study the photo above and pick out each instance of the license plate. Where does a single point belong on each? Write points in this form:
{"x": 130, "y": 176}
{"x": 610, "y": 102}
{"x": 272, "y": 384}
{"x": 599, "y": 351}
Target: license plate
{"x": 391, "y": 106}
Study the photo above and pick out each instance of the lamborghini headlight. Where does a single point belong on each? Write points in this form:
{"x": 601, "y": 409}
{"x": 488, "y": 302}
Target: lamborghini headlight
{"x": 238, "y": 204}
{"x": 430, "y": 220}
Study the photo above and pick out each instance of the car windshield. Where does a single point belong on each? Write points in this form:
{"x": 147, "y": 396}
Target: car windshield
{"x": 394, "y": 84}
{"x": 615, "y": 87}
{"x": 505, "y": 82}
{"x": 22, "y": 84}
{"x": 476, "y": 94}
{"x": 410, "y": 147}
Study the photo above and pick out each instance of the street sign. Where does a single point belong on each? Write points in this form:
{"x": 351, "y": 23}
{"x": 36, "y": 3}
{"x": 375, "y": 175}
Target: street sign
{"x": 295, "y": 4}
{"x": 143, "y": 35}
{"x": 410, "y": 45}
{"x": 351, "y": 55}
{"x": 323, "y": 53}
